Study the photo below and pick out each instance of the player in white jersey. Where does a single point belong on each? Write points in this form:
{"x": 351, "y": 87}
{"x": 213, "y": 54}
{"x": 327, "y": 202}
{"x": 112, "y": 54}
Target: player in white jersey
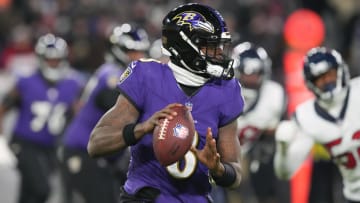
{"x": 265, "y": 104}
{"x": 331, "y": 119}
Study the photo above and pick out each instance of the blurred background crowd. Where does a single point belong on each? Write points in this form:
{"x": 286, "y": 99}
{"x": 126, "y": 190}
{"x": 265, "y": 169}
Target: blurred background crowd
{"x": 86, "y": 24}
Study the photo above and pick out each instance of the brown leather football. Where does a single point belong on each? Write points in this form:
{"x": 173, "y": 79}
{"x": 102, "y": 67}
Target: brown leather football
{"x": 172, "y": 139}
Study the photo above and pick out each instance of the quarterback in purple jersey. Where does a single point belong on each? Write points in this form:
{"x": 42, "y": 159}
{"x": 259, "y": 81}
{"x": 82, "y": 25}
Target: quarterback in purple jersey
{"x": 44, "y": 101}
{"x": 199, "y": 75}
{"x": 127, "y": 42}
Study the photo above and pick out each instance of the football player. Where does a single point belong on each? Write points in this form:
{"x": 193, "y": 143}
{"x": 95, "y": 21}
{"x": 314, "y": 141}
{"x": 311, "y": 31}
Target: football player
{"x": 127, "y": 42}
{"x": 199, "y": 75}
{"x": 331, "y": 119}
{"x": 260, "y": 118}
{"x": 44, "y": 101}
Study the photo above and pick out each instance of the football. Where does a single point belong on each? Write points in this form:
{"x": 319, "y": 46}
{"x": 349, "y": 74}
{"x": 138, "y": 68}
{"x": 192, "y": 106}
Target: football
{"x": 172, "y": 139}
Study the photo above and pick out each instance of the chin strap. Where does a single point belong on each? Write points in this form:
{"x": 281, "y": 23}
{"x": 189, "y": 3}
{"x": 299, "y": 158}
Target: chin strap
{"x": 186, "y": 77}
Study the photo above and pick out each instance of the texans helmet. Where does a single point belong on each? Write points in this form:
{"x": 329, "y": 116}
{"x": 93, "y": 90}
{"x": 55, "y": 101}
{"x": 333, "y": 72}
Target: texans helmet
{"x": 251, "y": 60}
{"x": 197, "y": 39}
{"x": 53, "y": 54}
{"x": 125, "y": 38}
{"x": 320, "y": 60}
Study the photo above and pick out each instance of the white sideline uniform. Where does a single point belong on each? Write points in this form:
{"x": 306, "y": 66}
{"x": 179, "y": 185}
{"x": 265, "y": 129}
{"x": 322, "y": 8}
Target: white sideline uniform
{"x": 9, "y": 176}
{"x": 264, "y": 113}
{"x": 341, "y": 139}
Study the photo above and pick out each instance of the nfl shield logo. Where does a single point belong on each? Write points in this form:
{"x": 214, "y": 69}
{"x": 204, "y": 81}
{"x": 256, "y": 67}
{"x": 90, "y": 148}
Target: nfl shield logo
{"x": 181, "y": 131}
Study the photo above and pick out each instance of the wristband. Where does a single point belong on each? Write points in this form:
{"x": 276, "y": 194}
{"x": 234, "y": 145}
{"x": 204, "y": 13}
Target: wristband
{"x": 128, "y": 134}
{"x": 228, "y": 178}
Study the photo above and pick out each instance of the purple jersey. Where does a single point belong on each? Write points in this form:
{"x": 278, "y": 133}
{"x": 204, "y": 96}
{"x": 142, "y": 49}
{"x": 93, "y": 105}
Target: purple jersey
{"x": 43, "y": 107}
{"x": 78, "y": 133}
{"x": 151, "y": 86}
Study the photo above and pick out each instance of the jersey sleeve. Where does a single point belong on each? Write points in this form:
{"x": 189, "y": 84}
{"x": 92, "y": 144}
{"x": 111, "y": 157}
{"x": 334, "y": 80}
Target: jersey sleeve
{"x": 234, "y": 106}
{"x": 131, "y": 84}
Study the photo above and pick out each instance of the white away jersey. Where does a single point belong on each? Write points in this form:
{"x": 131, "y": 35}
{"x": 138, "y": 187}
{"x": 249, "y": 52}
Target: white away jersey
{"x": 265, "y": 112}
{"x": 340, "y": 137}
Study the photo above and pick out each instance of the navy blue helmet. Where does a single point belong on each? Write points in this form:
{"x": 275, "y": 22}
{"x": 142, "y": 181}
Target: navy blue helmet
{"x": 320, "y": 60}
{"x": 251, "y": 60}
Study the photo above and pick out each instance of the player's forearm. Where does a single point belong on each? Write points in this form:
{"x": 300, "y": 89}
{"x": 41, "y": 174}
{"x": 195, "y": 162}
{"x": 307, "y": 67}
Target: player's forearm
{"x": 105, "y": 140}
{"x": 285, "y": 135}
{"x": 281, "y": 168}
{"x": 230, "y": 151}
{"x": 108, "y": 135}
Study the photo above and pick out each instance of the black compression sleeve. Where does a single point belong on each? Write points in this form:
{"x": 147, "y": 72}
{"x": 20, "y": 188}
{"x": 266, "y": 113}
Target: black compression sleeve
{"x": 128, "y": 134}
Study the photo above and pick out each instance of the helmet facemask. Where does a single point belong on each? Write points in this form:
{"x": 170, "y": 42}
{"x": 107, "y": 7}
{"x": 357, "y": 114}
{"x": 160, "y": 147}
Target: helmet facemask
{"x": 329, "y": 90}
{"x": 52, "y": 52}
{"x": 212, "y": 58}
{"x": 54, "y": 71}
{"x": 321, "y": 61}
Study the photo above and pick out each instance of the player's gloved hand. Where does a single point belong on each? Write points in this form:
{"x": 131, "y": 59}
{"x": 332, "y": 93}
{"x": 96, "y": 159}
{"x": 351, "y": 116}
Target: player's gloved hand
{"x": 286, "y": 131}
{"x": 209, "y": 155}
{"x": 7, "y": 157}
{"x": 284, "y": 134}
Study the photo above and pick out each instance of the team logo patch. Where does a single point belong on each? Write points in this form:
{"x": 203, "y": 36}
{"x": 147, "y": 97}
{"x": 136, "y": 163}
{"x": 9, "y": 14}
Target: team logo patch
{"x": 194, "y": 20}
{"x": 181, "y": 131}
{"x": 128, "y": 71}
{"x": 125, "y": 74}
